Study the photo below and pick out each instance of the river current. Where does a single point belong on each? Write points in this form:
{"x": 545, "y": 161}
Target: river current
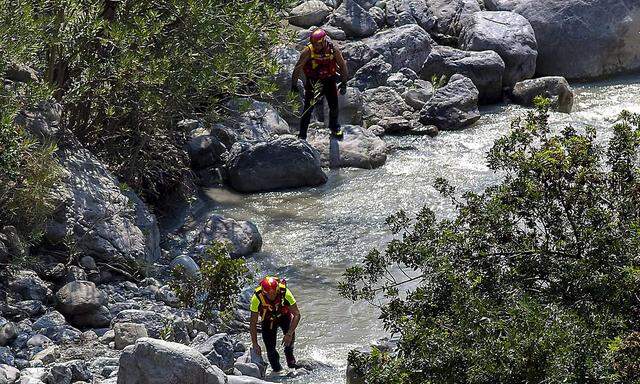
{"x": 311, "y": 235}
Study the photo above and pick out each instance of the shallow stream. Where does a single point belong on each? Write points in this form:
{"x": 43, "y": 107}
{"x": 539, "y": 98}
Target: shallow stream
{"x": 310, "y": 236}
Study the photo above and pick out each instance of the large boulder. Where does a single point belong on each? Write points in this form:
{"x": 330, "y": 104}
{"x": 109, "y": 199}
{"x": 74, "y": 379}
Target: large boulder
{"x": 27, "y": 285}
{"x": 372, "y": 75}
{"x": 128, "y": 333}
{"x": 555, "y": 88}
{"x": 354, "y": 20}
{"x": 451, "y": 15}
{"x": 358, "y": 149}
{"x": 255, "y": 120}
{"x": 242, "y": 236}
{"x": 510, "y": 36}
{"x": 357, "y": 54}
{"x": 452, "y": 107}
{"x": 484, "y": 68}
{"x": 104, "y": 218}
{"x": 79, "y": 297}
{"x": 581, "y": 39}
{"x": 54, "y": 326}
{"x": 280, "y": 163}
{"x": 218, "y": 349}
{"x": 98, "y": 318}
{"x": 407, "y": 46}
{"x": 403, "y": 12}
{"x": 309, "y": 13}
{"x": 154, "y": 322}
{"x": 383, "y": 102}
{"x": 152, "y": 361}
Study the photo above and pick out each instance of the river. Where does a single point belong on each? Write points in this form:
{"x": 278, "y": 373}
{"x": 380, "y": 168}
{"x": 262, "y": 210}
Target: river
{"x": 310, "y": 236}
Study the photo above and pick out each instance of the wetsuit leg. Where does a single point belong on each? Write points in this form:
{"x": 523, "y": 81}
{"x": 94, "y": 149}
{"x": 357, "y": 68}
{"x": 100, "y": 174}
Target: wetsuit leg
{"x": 269, "y": 336}
{"x": 307, "y": 110}
{"x": 285, "y": 323}
{"x": 330, "y": 90}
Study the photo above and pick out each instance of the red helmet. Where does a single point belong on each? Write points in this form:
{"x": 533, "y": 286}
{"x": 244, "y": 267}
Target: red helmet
{"x": 270, "y": 284}
{"x": 318, "y": 35}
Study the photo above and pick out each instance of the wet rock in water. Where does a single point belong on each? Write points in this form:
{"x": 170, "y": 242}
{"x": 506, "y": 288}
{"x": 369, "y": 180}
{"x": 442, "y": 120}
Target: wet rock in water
{"x": 106, "y": 220}
{"x": 127, "y": 333}
{"x": 510, "y": 36}
{"x": 245, "y": 380}
{"x": 9, "y": 374}
{"x": 28, "y": 286}
{"x": 372, "y": 75}
{"x": 403, "y": 12}
{"x": 358, "y": 149}
{"x": 484, "y": 68}
{"x": 452, "y": 107}
{"x": 280, "y": 163}
{"x": 555, "y": 88}
{"x": 189, "y": 266}
{"x": 407, "y": 46}
{"x": 354, "y": 20}
{"x": 78, "y": 297}
{"x": 581, "y": 39}
{"x": 163, "y": 362}
{"x": 309, "y": 13}
{"x": 243, "y": 236}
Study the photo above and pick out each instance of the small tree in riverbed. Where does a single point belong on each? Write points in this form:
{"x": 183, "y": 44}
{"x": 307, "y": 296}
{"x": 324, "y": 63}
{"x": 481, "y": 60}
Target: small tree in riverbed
{"x": 537, "y": 279}
{"x": 217, "y": 286}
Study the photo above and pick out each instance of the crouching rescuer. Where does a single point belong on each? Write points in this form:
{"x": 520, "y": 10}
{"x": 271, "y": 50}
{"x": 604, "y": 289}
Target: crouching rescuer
{"x": 274, "y": 304}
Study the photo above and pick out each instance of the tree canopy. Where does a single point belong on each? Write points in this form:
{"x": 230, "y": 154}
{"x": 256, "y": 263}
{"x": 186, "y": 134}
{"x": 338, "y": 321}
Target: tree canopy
{"x": 534, "y": 280}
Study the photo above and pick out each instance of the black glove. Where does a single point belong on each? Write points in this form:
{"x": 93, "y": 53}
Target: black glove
{"x": 343, "y": 88}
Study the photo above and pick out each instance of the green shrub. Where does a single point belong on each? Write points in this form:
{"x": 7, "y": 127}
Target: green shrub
{"x": 535, "y": 280}
{"x": 218, "y": 285}
{"x": 127, "y": 71}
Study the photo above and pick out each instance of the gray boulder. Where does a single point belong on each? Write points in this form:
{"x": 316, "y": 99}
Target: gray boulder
{"x": 510, "y": 36}
{"x": 162, "y": 362}
{"x": 417, "y": 96}
{"x": 309, "y": 13}
{"x": 29, "y": 286}
{"x": 6, "y": 357}
{"x": 351, "y": 107}
{"x": 154, "y": 322}
{"x": 354, "y": 20}
{"x": 205, "y": 150}
{"x": 407, "y": 46}
{"x": 20, "y": 73}
{"x": 127, "y": 333}
{"x": 243, "y": 237}
{"x": 218, "y": 349}
{"x": 9, "y": 374}
{"x": 452, "y": 107}
{"x": 47, "y": 355}
{"x": 451, "y": 15}
{"x": 372, "y": 75}
{"x": 555, "y": 88}
{"x": 255, "y": 120}
{"x": 98, "y": 318}
{"x": 191, "y": 268}
{"x": 403, "y": 12}
{"x": 58, "y": 374}
{"x": 30, "y": 308}
{"x": 104, "y": 219}
{"x": 251, "y": 358}
{"x": 358, "y": 149}
{"x": 79, "y": 370}
{"x": 484, "y": 68}
{"x": 357, "y": 54}
{"x": 379, "y": 15}
{"x": 581, "y": 39}
{"x": 8, "y": 332}
{"x": 275, "y": 164}
{"x": 383, "y": 102}
{"x": 78, "y": 297}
